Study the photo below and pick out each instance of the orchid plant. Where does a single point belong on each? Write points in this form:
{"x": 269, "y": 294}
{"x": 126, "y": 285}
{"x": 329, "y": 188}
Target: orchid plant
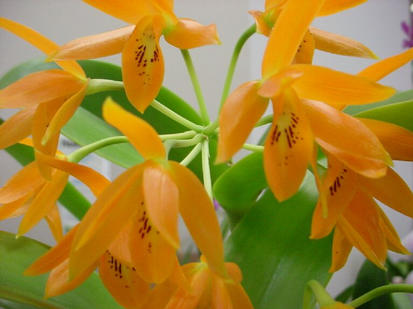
{"x": 294, "y": 207}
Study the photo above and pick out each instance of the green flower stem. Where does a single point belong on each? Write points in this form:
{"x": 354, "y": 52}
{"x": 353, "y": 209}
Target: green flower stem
{"x": 82, "y": 152}
{"x": 176, "y": 117}
{"x": 323, "y": 298}
{"x": 100, "y": 85}
{"x": 206, "y": 171}
{"x": 254, "y": 148}
{"x": 194, "y": 78}
{"x": 391, "y": 288}
{"x": 183, "y": 135}
{"x": 192, "y": 155}
{"x": 264, "y": 120}
{"x": 186, "y": 143}
{"x": 235, "y": 55}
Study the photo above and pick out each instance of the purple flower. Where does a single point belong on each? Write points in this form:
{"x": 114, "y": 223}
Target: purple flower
{"x": 408, "y": 30}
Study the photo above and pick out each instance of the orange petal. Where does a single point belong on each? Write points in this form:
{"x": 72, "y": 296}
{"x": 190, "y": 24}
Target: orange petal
{"x": 335, "y": 6}
{"x": 55, "y": 223}
{"x": 153, "y": 256}
{"x": 238, "y": 116}
{"x": 122, "y": 281}
{"x": 220, "y": 298}
{"x": 337, "y": 88}
{"x": 59, "y": 281}
{"x": 43, "y": 202}
{"x": 15, "y": 208}
{"x": 95, "y": 181}
{"x": 41, "y": 42}
{"x": 54, "y": 257}
{"x": 393, "y": 240}
{"x": 361, "y": 225}
{"x": 39, "y": 87}
{"x": 142, "y": 63}
{"x": 341, "y": 250}
{"x": 162, "y": 202}
{"x": 386, "y": 66}
{"x": 287, "y": 34}
{"x": 390, "y": 190}
{"x": 305, "y": 50}
{"x": 101, "y": 225}
{"x": 16, "y": 128}
{"x": 187, "y": 34}
{"x": 96, "y": 46}
{"x": 129, "y": 11}
{"x": 277, "y": 83}
{"x": 262, "y": 26}
{"x": 288, "y": 147}
{"x": 340, "y": 186}
{"x": 348, "y": 139}
{"x": 142, "y": 136}
{"x": 340, "y": 45}
{"x": 397, "y": 140}
{"x": 200, "y": 218}
{"x": 272, "y": 4}
{"x": 24, "y": 181}
{"x": 160, "y": 296}
{"x": 239, "y": 298}
{"x": 63, "y": 115}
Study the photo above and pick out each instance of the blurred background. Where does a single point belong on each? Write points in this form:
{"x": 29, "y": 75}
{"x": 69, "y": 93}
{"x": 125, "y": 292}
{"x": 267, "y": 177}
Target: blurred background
{"x": 375, "y": 23}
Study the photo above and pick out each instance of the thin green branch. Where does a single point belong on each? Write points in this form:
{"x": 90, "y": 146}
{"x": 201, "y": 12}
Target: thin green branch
{"x": 235, "y": 55}
{"x": 198, "y": 92}
{"x": 206, "y": 171}
{"x": 100, "y": 85}
{"x": 254, "y": 148}
{"x": 183, "y": 135}
{"x": 176, "y": 117}
{"x": 264, "y": 120}
{"x": 185, "y": 143}
{"x": 192, "y": 155}
{"x": 377, "y": 292}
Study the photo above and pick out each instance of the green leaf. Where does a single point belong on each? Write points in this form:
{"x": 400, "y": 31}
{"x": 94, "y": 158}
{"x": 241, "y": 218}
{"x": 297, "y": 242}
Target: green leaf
{"x": 400, "y": 114}
{"x": 17, "y": 254}
{"x": 368, "y": 278}
{"x": 272, "y": 247}
{"x": 397, "y": 98}
{"x": 236, "y": 190}
{"x": 402, "y": 301}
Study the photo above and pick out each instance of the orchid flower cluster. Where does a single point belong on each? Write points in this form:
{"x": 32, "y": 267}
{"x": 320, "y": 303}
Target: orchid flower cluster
{"x": 130, "y": 232}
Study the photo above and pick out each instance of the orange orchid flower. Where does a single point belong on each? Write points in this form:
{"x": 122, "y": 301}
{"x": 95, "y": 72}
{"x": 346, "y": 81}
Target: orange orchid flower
{"x": 149, "y": 198}
{"x": 337, "y": 305}
{"x": 314, "y": 38}
{"x": 46, "y": 99}
{"x": 142, "y": 60}
{"x": 28, "y": 193}
{"x": 298, "y": 122}
{"x": 206, "y": 290}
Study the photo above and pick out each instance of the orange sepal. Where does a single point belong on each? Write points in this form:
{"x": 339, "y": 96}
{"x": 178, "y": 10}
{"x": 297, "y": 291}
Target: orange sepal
{"x": 340, "y": 251}
{"x": 95, "y": 46}
{"x": 24, "y": 181}
{"x": 288, "y": 147}
{"x": 16, "y": 127}
{"x": 335, "y": 6}
{"x": 129, "y": 11}
{"x": 340, "y": 45}
{"x": 162, "y": 202}
{"x": 101, "y": 225}
{"x": 339, "y": 186}
{"x": 142, "y": 62}
{"x": 15, "y": 208}
{"x": 95, "y": 181}
{"x": 348, "y": 139}
{"x": 287, "y": 34}
{"x": 260, "y": 22}
{"x": 43, "y": 201}
{"x": 361, "y": 225}
{"x": 122, "y": 281}
{"x": 238, "y": 116}
{"x": 390, "y": 190}
{"x": 305, "y": 51}
{"x": 337, "y": 88}
{"x": 142, "y": 136}
{"x": 398, "y": 141}
{"x": 55, "y": 223}
{"x": 187, "y": 34}
{"x": 59, "y": 281}
{"x": 393, "y": 239}
{"x": 54, "y": 257}
{"x": 199, "y": 217}
{"x": 41, "y": 42}
{"x": 39, "y": 87}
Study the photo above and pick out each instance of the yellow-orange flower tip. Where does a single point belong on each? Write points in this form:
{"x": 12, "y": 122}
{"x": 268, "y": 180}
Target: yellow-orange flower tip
{"x": 274, "y": 85}
{"x": 141, "y": 135}
{"x": 337, "y": 305}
